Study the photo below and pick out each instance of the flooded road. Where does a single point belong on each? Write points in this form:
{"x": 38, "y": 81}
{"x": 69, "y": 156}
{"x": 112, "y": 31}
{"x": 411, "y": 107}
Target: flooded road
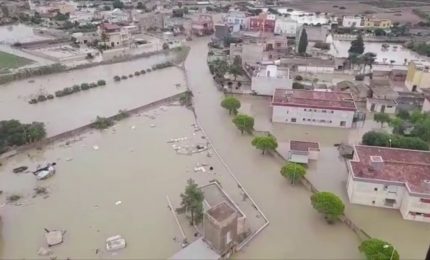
{"x": 66, "y": 113}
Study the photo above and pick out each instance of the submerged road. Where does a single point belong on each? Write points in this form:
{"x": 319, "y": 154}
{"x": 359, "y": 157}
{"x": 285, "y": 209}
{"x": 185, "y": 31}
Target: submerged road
{"x": 295, "y": 230}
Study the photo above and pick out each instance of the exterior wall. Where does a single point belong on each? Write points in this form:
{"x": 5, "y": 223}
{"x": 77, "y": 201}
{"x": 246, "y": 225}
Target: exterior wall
{"x": 266, "y": 85}
{"x": 378, "y": 108}
{"x": 315, "y": 69}
{"x": 311, "y": 116}
{"x": 352, "y": 21}
{"x": 283, "y": 27}
{"x": 417, "y": 77}
{"x": 252, "y": 53}
{"x": 256, "y": 24}
{"x": 314, "y": 155}
{"x": 412, "y": 205}
{"x": 216, "y": 235}
{"x": 375, "y": 194}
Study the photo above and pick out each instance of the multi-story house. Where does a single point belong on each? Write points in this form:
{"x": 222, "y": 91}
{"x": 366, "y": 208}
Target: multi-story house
{"x": 418, "y": 76}
{"x": 352, "y": 21}
{"x": 263, "y": 22}
{"x": 377, "y": 23}
{"x": 113, "y": 35}
{"x": 319, "y": 108}
{"x": 286, "y": 26}
{"x": 391, "y": 178}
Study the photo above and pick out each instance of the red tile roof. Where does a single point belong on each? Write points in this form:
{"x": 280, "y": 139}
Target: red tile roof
{"x": 408, "y": 167}
{"x": 314, "y": 99}
{"x": 109, "y": 26}
{"x": 304, "y": 146}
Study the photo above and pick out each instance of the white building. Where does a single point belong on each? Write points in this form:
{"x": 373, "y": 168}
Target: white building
{"x": 115, "y": 16}
{"x": 302, "y": 152}
{"x": 113, "y": 35}
{"x": 236, "y": 19}
{"x": 267, "y": 79}
{"x": 286, "y": 26}
{"x": 352, "y": 21}
{"x": 320, "y": 108}
{"x": 391, "y": 178}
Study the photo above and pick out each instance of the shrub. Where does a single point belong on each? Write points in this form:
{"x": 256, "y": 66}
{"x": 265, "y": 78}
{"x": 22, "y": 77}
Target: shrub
{"x": 76, "y": 88}
{"x": 130, "y": 76}
{"x": 148, "y": 70}
{"x": 59, "y": 93}
{"x": 32, "y": 101}
{"x": 328, "y": 204}
{"x": 41, "y": 98}
{"x": 359, "y": 77}
{"x": 298, "y": 78}
{"x": 101, "y": 82}
{"x": 297, "y": 85}
{"x": 124, "y": 77}
{"x": 93, "y": 85}
{"x": 117, "y": 78}
{"x": 85, "y": 86}
{"x": 13, "y": 198}
{"x": 121, "y": 115}
{"x": 322, "y": 45}
{"x": 137, "y": 73}
{"x": 142, "y": 72}
{"x": 50, "y": 96}
{"x": 68, "y": 91}
{"x": 102, "y": 123}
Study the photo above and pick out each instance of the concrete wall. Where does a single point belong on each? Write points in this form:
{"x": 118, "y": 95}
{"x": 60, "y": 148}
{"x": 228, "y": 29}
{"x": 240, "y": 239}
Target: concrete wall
{"x": 414, "y": 204}
{"x": 267, "y": 85}
{"x": 216, "y": 235}
{"x": 378, "y": 108}
{"x": 315, "y": 69}
{"x": 285, "y": 114}
{"x": 417, "y": 77}
{"x": 288, "y": 28}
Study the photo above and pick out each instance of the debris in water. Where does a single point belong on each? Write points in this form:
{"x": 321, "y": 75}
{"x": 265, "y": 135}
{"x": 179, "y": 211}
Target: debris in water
{"x": 44, "y": 172}
{"x": 13, "y": 198}
{"x": 44, "y": 251}
{"x": 133, "y": 127}
{"x": 199, "y": 169}
{"x": 95, "y": 147}
{"x": 115, "y": 243}
{"x": 20, "y": 169}
{"x": 152, "y": 125}
{"x": 118, "y": 202}
{"x": 40, "y": 191}
{"x": 69, "y": 159}
{"x": 54, "y": 237}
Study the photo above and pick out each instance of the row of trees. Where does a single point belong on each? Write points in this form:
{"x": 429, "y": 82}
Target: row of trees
{"x": 326, "y": 203}
{"x": 220, "y": 67}
{"x": 357, "y": 55}
{"x": 143, "y": 71}
{"x": 15, "y": 133}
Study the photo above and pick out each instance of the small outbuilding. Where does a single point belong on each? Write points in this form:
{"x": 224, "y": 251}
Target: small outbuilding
{"x": 302, "y": 152}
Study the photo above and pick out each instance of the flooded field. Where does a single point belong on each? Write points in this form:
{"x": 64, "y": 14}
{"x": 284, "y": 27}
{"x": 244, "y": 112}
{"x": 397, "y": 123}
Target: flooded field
{"x": 118, "y": 188}
{"x": 10, "y": 34}
{"x": 395, "y": 52}
{"x": 65, "y": 113}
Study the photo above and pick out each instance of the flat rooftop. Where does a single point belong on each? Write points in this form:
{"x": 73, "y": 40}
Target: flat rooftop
{"x": 314, "y": 99}
{"x": 408, "y": 167}
{"x": 221, "y": 211}
{"x": 304, "y": 146}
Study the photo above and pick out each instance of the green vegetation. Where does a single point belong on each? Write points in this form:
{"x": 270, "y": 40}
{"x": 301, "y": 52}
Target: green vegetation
{"x": 218, "y": 68}
{"x": 293, "y": 171}
{"x": 13, "y": 198}
{"x": 298, "y": 85}
{"x": 322, "y": 45}
{"x": 102, "y": 123}
{"x": 192, "y": 201}
{"x": 265, "y": 143}
{"x": 303, "y": 42}
{"x": 421, "y": 48}
{"x": 376, "y": 249}
{"x": 231, "y": 104}
{"x": 397, "y": 141}
{"x": 122, "y": 114}
{"x": 236, "y": 68}
{"x": 101, "y": 82}
{"x": 328, "y": 204}
{"x": 186, "y": 99}
{"x": 381, "y": 118}
{"x": 244, "y": 123}
{"x": 117, "y": 4}
{"x": 10, "y": 61}
{"x": 357, "y": 46}
{"x": 14, "y": 133}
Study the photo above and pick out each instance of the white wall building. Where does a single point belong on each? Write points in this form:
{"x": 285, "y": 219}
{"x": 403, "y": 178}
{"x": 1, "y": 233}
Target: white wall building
{"x": 320, "y": 108}
{"x": 286, "y": 26}
{"x": 352, "y": 21}
{"x": 391, "y": 178}
{"x": 269, "y": 78}
{"x": 381, "y": 105}
{"x": 236, "y": 18}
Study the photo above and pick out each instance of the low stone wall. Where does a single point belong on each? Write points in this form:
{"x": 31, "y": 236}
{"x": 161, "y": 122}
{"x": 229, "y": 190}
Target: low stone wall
{"x": 87, "y": 127}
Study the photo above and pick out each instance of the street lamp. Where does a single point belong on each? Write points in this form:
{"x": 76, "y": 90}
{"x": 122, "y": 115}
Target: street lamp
{"x": 388, "y": 246}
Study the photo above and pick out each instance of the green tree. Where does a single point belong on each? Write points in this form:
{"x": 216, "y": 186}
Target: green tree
{"x": 379, "y": 32}
{"x": 141, "y": 6}
{"x": 219, "y": 67}
{"x": 192, "y": 200}
{"x": 381, "y": 118}
{"x": 376, "y": 139}
{"x": 368, "y": 59}
{"x": 235, "y": 70}
{"x": 231, "y": 104}
{"x": 403, "y": 114}
{"x": 376, "y": 249}
{"x": 265, "y": 143}
{"x": 244, "y": 123}
{"x": 293, "y": 171}
{"x": 357, "y": 46}
{"x": 398, "y": 125}
{"x": 422, "y": 129}
{"x": 303, "y": 42}
{"x": 118, "y": 4}
{"x": 328, "y": 204}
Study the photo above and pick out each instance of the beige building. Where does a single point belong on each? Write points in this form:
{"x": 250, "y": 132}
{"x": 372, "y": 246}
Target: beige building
{"x": 418, "y": 76}
{"x": 377, "y": 23}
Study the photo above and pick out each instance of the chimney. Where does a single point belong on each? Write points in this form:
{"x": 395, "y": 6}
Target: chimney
{"x": 376, "y": 163}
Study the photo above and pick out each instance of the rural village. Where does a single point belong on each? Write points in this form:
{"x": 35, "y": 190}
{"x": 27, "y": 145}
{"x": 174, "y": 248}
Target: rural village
{"x": 186, "y": 129}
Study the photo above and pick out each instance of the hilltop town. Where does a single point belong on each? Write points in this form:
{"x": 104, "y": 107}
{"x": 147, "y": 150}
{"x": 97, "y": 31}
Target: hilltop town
{"x": 214, "y": 129}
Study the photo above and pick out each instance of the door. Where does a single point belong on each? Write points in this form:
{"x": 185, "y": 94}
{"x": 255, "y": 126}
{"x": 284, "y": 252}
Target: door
{"x": 383, "y": 109}
{"x": 372, "y": 108}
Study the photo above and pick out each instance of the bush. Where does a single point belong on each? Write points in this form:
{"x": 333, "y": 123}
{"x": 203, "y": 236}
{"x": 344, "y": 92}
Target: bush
{"x": 50, "y": 96}
{"x": 328, "y": 204}
{"x": 130, "y": 76}
{"x": 322, "y": 45}
{"x": 373, "y": 138}
{"x": 67, "y": 91}
{"x": 32, "y": 101}
{"x": 76, "y": 88}
{"x": 297, "y": 85}
{"x": 298, "y": 78}
{"x": 117, "y": 78}
{"x": 102, "y": 123}
{"x": 121, "y": 115}
{"x": 124, "y": 77}
{"x": 93, "y": 85}
{"x": 359, "y": 77}
{"x": 377, "y": 249}
{"x": 101, "y": 82}
{"x": 137, "y": 73}
{"x": 142, "y": 72}
{"x": 59, "y": 93}
{"x": 148, "y": 70}
{"x": 85, "y": 86}
{"x": 41, "y": 98}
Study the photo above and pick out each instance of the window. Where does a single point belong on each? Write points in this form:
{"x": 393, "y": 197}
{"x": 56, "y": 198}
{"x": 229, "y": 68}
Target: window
{"x": 324, "y": 111}
{"x": 293, "y": 120}
{"x": 304, "y": 119}
{"x": 342, "y": 123}
{"x": 425, "y": 200}
{"x": 332, "y": 111}
{"x": 305, "y": 109}
{"x": 313, "y": 120}
{"x": 375, "y": 189}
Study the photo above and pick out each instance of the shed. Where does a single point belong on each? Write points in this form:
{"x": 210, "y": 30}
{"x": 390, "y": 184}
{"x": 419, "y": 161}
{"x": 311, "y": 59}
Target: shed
{"x": 302, "y": 151}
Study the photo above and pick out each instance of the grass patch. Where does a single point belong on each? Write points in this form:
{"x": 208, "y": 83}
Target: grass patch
{"x": 10, "y": 61}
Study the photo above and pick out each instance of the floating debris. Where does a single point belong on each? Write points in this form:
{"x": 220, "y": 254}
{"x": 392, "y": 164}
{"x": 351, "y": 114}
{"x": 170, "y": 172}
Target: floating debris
{"x": 13, "y": 198}
{"x": 118, "y": 202}
{"x": 115, "y": 243}
{"x": 152, "y": 125}
{"x": 95, "y": 147}
{"x": 44, "y": 251}
{"x": 20, "y": 169}
{"x": 54, "y": 237}
{"x": 44, "y": 172}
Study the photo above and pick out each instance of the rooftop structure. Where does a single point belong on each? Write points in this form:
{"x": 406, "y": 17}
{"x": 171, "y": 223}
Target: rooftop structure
{"x": 392, "y": 178}
{"x": 302, "y": 151}
{"x": 196, "y": 250}
{"x": 266, "y": 79}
